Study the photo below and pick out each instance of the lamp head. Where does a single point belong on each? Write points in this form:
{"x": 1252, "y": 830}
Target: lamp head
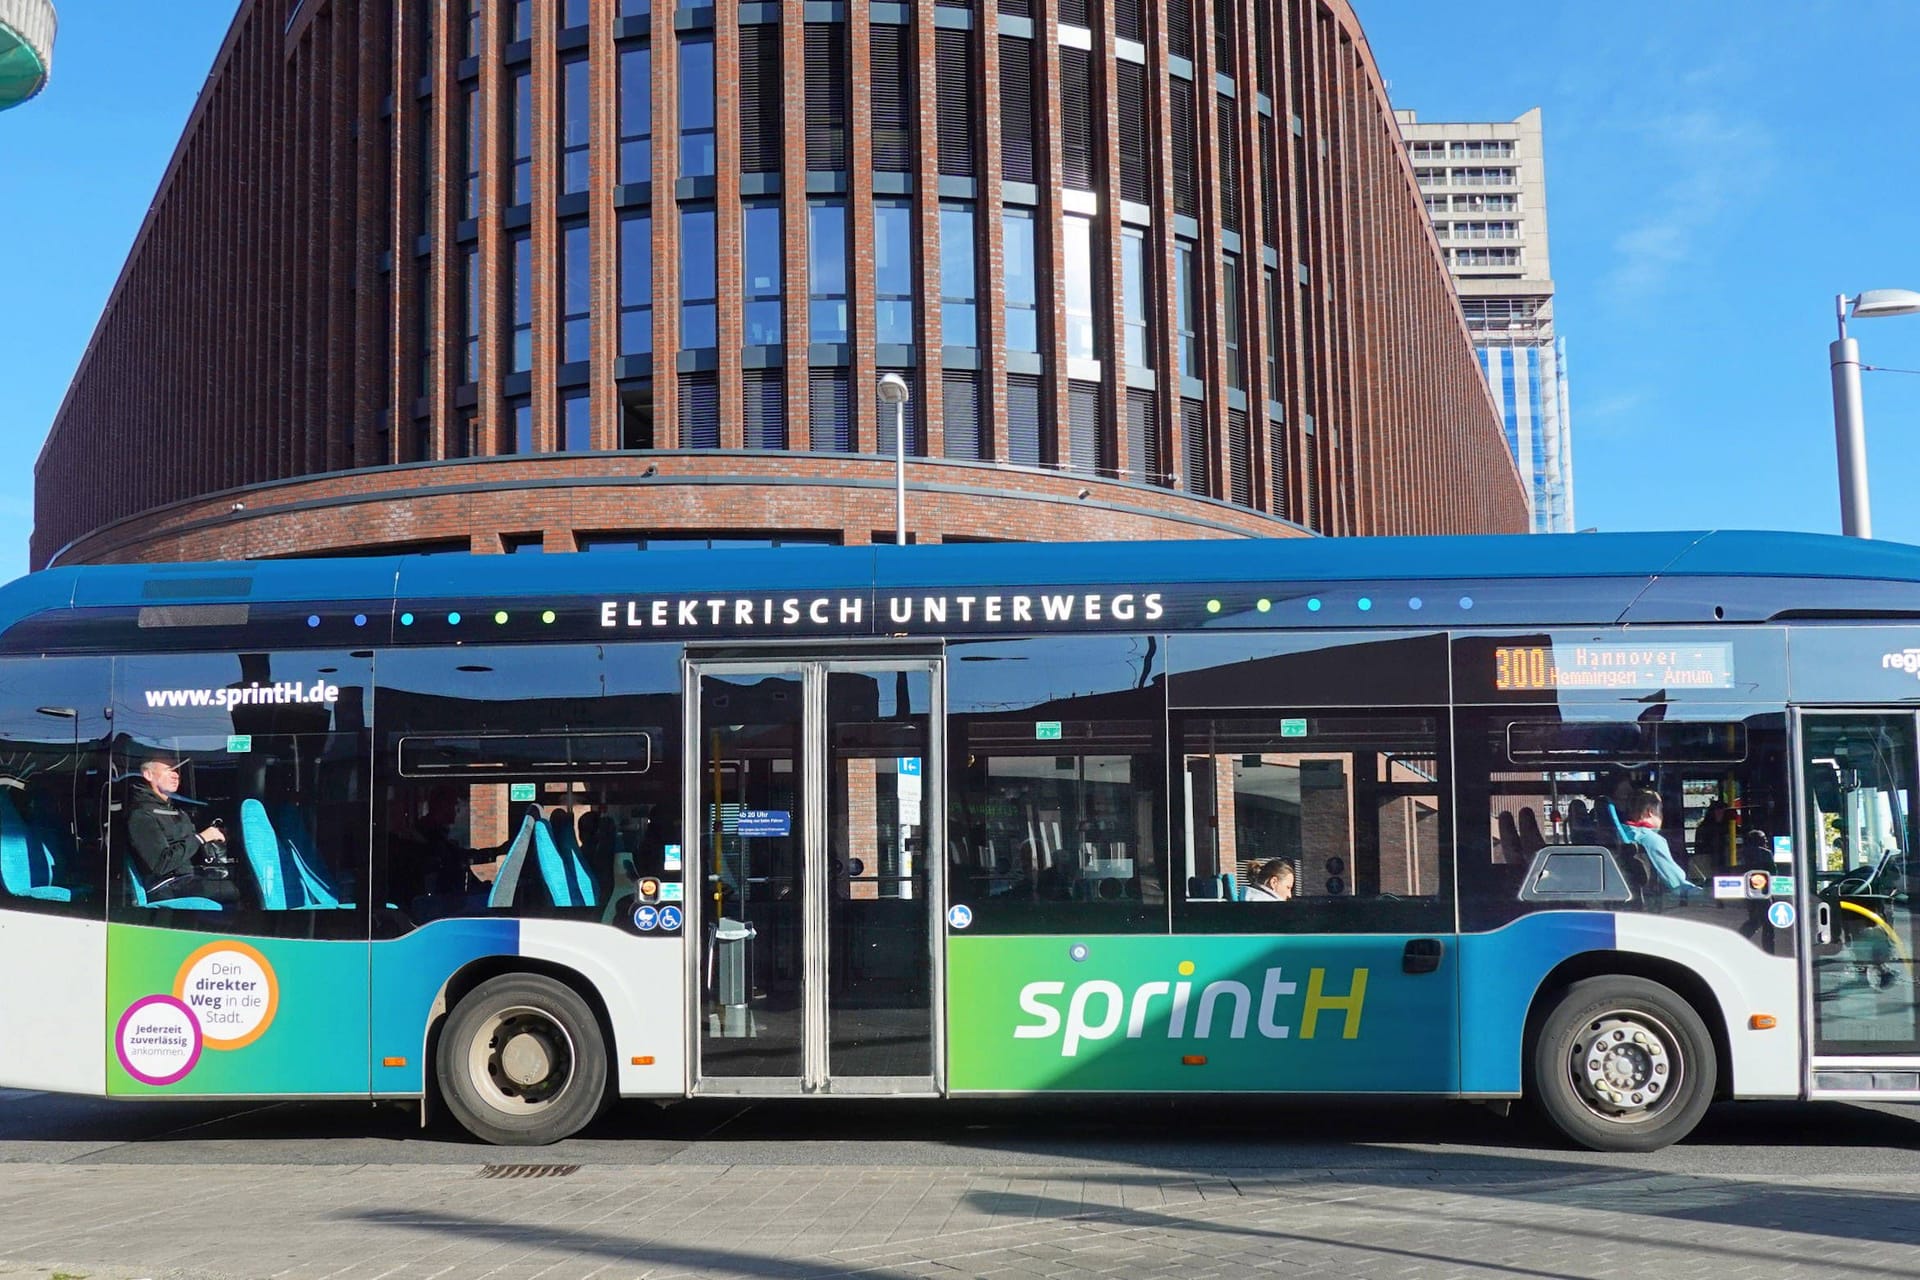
{"x": 1872, "y": 304}
{"x": 894, "y": 389}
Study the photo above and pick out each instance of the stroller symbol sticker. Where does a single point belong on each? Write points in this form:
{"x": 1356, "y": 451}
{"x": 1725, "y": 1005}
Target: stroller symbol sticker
{"x": 644, "y": 918}
{"x": 960, "y": 915}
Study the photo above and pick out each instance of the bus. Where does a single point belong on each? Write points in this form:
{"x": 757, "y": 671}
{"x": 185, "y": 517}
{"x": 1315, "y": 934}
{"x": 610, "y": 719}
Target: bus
{"x": 1617, "y": 824}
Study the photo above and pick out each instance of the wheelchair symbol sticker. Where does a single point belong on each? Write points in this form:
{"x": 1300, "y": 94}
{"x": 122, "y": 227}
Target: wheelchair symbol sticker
{"x": 960, "y": 915}
{"x": 669, "y": 918}
{"x": 1780, "y": 915}
{"x": 644, "y": 918}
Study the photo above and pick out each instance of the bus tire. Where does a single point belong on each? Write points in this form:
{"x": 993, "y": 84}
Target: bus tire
{"x": 522, "y": 1062}
{"x": 1622, "y": 1064}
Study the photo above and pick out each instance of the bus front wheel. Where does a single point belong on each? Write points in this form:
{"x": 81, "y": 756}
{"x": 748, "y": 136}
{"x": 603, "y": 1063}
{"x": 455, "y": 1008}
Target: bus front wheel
{"x": 522, "y": 1061}
{"x": 1623, "y": 1064}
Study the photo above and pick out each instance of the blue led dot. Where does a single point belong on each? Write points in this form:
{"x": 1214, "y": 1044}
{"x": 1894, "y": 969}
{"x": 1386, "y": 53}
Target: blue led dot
{"x": 1414, "y": 603}
{"x": 453, "y": 619}
{"x": 359, "y": 619}
{"x": 313, "y": 619}
{"x": 1313, "y": 605}
{"x": 1466, "y": 602}
{"x": 1366, "y": 604}
{"x": 406, "y": 619}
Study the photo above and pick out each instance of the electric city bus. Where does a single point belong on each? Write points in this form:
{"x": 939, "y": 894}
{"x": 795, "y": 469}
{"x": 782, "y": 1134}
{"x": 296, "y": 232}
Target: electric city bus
{"x": 1620, "y": 824}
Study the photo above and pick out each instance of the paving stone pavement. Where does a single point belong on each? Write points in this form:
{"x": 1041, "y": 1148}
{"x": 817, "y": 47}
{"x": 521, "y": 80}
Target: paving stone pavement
{"x": 122, "y": 1221}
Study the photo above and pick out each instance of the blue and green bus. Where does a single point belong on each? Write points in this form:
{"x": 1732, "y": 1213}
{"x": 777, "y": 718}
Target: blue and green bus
{"x": 1619, "y": 824}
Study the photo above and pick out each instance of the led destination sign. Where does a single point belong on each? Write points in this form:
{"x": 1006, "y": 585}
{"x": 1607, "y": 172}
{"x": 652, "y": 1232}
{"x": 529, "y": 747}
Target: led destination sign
{"x": 1540, "y": 668}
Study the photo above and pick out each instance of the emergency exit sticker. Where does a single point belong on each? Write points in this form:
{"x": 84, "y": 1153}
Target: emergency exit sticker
{"x": 520, "y": 793}
{"x": 238, "y": 744}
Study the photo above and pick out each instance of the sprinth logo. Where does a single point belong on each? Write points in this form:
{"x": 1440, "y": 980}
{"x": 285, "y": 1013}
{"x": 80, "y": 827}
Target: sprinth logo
{"x": 1098, "y": 1009}
{"x": 1907, "y": 660}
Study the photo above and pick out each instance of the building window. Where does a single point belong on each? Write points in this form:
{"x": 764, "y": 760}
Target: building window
{"x": 520, "y": 418}
{"x": 576, "y": 421}
{"x": 953, "y": 75}
{"x": 470, "y": 30}
{"x": 520, "y": 24}
{"x": 1016, "y": 109}
{"x": 636, "y": 285}
{"x": 1186, "y": 310}
{"x": 1020, "y": 263}
{"x": 636, "y": 414}
{"x": 760, "y": 98}
{"x": 1082, "y": 343}
{"x": 1084, "y": 451}
{"x": 893, "y": 271}
{"x": 577, "y": 128}
{"x": 520, "y": 128}
{"x": 425, "y": 307}
{"x": 959, "y": 284}
{"x": 636, "y": 113}
{"x": 827, "y": 270}
{"x": 1025, "y": 436}
{"x": 892, "y": 99}
{"x": 1230, "y": 329}
{"x": 826, "y": 56}
{"x": 1130, "y": 79}
{"x": 760, "y": 269}
{"x": 699, "y": 411}
{"x": 1136, "y": 303}
{"x": 884, "y": 428}
{"x": 699, "y": 314}
{"x": 764, "y": 408}
{"x": 1077, "y": 103}
{"x": 470, "y": 159}
{"x": 960, "y": 413}
{"x": 1477, "y": 149}
{"x": 696, "y": 108}
{"x": 1186, "y": 165}
{"x": 573, "y": 13}
{"x": 576, "y": 303}
{"x": 636, "y": 8}
{"x": 521, "y": 286}
{"x": 829, "y": 411}
{"x": 470, "y": 314}
{"x": 1274, "y": 299}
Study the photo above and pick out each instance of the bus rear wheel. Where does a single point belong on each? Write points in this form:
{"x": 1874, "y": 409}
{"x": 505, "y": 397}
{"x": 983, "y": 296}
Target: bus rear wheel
{"x": 1623, "y": 1064}
{"x": 522, "y": 1061}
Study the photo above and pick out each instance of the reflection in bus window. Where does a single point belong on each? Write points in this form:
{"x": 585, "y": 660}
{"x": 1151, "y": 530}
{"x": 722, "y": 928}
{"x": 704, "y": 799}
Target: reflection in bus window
{"x": 1354, "y": 805}
{"x": 52, "y": 777}
{"x": 1057, "y": 800}
{"x": 1675, "y": 802}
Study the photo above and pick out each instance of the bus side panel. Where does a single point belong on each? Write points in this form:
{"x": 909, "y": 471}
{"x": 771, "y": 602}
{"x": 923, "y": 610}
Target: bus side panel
{"x": 642, "y": 980}
{"x": 193, "y": 1014}
{"x": 408, "y": 974}
{"x": 57, "y": 973}
{"x": 1200, "y": 1013}
{"x": 1499, "y": 973}
{"x": 1746, "y": 981}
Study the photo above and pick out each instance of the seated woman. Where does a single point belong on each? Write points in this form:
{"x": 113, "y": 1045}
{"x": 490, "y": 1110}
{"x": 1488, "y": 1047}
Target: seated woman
{"x": 1272, "y": 881}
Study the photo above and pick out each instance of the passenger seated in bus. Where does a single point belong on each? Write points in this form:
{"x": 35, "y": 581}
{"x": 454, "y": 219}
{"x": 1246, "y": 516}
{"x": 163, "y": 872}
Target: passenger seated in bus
{"x": 1642, "y": 818}
{"x": 174, "y": 859}
{"x": 1271, "y": 881}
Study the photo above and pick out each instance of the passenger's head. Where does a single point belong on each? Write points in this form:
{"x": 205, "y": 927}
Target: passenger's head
{"x": 443, "y": 806}
{"x": 162, "y": 772}
{"x": 1276, "y": 877}
{"x": 1643, "y": 806}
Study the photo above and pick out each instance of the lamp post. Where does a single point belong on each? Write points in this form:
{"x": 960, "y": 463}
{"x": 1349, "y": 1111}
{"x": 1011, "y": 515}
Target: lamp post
{"x": 895, "y": 391}
{"x": 1849, "y": 425}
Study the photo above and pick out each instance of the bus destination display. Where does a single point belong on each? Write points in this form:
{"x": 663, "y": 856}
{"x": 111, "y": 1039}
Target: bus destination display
{"x": 1539, "y": 668}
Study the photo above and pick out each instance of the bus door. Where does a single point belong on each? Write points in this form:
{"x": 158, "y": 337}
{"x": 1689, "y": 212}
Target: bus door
{"x": 815, "y": 794}
{"x": 1856, "y": 865}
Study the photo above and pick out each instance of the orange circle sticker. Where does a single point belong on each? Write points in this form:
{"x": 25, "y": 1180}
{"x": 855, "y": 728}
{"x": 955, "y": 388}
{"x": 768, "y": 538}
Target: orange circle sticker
{"x": 232, "y": 991}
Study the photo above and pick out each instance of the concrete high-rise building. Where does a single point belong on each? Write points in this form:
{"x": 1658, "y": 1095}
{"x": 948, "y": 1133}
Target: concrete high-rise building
{"x": 26, "y": 49}
{"x": 1485, "y": 186}
{"x": 504, "y": 275}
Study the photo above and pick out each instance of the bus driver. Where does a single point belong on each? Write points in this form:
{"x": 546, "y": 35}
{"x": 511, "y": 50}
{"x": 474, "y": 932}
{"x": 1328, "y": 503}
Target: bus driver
{"x": 164, "y": 841}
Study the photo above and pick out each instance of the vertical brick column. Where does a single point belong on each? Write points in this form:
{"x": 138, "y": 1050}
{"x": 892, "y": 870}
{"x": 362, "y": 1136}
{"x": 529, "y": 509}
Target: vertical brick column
{"x": 929, "y": 332}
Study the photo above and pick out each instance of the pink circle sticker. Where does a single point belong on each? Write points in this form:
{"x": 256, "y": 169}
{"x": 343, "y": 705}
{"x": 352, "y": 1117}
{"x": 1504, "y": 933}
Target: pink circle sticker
{"x": 158, "y": 1040}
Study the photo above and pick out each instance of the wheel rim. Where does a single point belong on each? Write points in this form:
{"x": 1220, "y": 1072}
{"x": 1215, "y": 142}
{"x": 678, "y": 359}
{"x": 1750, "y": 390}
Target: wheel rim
{"x": 1626, "y": 1066}
{"x": 521, "y": 1060}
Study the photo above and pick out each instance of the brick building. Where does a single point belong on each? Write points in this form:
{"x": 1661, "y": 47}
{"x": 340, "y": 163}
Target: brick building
{"x": 446, "y": 274}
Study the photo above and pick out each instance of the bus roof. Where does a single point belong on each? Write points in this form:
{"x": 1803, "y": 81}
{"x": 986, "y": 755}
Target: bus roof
{"x": 1619, "y": 558}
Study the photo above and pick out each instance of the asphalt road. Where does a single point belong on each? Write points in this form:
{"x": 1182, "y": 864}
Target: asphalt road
{"x": 107, "y": 1189}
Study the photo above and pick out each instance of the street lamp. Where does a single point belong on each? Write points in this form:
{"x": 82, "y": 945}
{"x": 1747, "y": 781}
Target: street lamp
{"x": 1849, "y": 427}
{"x": 895, "y": 391}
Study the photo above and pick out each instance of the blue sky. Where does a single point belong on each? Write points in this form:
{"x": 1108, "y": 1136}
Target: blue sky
{"x": 1716, "y": 173}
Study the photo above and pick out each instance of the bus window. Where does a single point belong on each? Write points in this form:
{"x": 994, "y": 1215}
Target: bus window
{"x": 1675, "y": 801}
{"x": 53, "y": 763}
{"x": 1312, "y": 823}
{"x": 1056, "y": 795}
{"x": 526, "y": 781}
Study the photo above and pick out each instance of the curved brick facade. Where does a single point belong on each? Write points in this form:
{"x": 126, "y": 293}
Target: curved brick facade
{"x": 442, "y": 272}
